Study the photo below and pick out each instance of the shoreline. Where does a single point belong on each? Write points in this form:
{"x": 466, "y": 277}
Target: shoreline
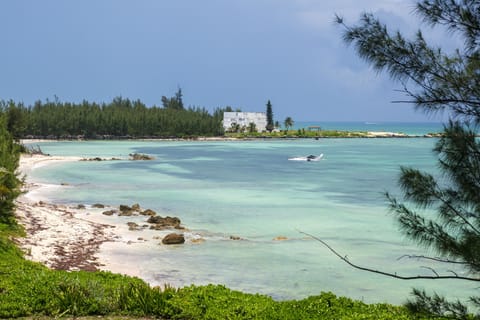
{"x": 345, "y": 134}
{"x": 55, "y": 235}
{"x": 77, "y": 237}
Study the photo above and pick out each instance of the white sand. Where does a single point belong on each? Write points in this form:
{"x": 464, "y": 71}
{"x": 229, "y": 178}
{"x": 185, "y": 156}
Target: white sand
{"x": 385, "y": 134}
{"x": 69, "y": 238}
{"x": 55, "y": 236}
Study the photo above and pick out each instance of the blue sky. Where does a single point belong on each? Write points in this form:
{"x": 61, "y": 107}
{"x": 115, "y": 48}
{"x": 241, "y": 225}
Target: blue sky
{"x": 220, "y": 52}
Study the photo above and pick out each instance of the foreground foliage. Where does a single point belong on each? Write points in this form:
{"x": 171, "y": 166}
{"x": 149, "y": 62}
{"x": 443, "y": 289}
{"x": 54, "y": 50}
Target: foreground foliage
{"x": 436, "y": 80}
{"x": 29, "y": 288}
{"x": 9, "y": 181}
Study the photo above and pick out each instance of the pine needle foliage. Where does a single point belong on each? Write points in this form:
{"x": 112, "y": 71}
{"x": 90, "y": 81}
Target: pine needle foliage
{"x": 437, "y": 81}
{"x": 9, "y": 180}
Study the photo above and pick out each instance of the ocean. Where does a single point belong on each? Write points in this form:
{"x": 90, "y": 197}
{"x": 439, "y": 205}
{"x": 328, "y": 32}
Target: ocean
{"x": 250, "y": 190}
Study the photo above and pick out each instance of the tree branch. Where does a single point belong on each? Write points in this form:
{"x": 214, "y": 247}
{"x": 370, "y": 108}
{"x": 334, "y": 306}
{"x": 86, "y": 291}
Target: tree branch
{"x": 439, "y": 101}
{"x": 433, "y": 259}
{"x": 388, "y": 274}
{"x": 431, "y": 269}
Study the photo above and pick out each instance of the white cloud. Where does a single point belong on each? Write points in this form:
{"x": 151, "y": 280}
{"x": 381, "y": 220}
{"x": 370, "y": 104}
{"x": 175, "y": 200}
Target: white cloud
{"x": 320, "y": 16}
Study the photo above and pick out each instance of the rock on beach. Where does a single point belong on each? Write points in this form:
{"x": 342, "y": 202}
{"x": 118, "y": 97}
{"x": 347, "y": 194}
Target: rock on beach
{"x": 173, "y": 238}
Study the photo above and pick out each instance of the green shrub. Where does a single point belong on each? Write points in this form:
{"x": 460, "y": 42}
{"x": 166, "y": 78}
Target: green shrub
{"x": 219, "y": 302}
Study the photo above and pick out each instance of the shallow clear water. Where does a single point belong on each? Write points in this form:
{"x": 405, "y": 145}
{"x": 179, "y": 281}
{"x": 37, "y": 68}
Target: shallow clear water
{"x": 249, "y": 189}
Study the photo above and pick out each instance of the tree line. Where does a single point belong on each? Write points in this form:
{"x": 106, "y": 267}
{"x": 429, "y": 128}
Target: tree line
{"x": 121, "y": 117}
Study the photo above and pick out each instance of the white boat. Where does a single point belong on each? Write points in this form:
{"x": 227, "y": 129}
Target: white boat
{"x": 307, "y": 158}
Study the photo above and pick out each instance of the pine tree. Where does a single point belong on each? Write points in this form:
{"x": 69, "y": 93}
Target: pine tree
{"x": 175, "y": 103}
{"x": 437, "y": 81}
{"x": 9, "y": 181}
{"x": 270, "y": 126}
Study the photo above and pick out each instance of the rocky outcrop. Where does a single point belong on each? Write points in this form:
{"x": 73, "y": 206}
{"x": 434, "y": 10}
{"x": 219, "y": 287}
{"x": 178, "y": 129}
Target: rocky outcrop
{"x": 132, "y": 226}
{"x": 173, "y": 238}
{"x": 156, "y": 222}
{"x": 148, "y": 212}
{"x": 109, "y": 212}
{"x": 134, "y": 210}
{"x": 126, "y": 210}
{"x": 161, "y": 223}
{"x": 140, "y": 156}
{"x": 100, "y": 159}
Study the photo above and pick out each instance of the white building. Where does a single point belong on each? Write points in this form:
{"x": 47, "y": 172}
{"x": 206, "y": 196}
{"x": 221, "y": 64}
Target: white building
{"x": 244, "y": 119}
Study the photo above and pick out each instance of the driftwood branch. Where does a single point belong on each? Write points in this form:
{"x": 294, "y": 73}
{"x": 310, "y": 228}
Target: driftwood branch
{"x": 388, "y": 274}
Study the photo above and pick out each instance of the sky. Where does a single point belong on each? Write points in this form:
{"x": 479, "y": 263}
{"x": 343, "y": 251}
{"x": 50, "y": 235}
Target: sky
{"x": 238, "y": 53}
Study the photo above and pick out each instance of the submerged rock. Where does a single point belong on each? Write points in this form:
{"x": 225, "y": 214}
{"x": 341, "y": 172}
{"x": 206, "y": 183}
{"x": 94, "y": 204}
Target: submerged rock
{"x": 173, "y": 238}
{"x": 198, "y": 240}
{"x": 98, "y": 205}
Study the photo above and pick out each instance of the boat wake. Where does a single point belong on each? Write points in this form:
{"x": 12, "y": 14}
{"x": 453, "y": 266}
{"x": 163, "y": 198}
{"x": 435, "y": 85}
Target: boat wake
{"x": 307, "y": 158}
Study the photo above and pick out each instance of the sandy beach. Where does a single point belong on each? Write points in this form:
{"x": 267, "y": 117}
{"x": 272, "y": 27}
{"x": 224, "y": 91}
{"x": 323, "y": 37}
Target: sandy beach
{"x": 56, "y": 237}
{"x": 66, "y": 237}
{"x": 77, "y": 236}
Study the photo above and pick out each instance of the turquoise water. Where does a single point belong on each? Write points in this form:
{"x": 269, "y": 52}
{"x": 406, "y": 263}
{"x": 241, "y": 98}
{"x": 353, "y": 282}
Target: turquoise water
{"x": 249, "y": 189}
{"x": 410, "y": 128}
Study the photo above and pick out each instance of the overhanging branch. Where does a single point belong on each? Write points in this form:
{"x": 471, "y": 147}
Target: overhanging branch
{"x": 432, "y": 258}
{"x": 388, "y": 274}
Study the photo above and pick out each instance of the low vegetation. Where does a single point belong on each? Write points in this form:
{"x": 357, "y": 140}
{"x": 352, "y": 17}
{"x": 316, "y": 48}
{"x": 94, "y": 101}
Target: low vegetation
{"x": 299, "y": 133}
{"x": 30, "y": 289}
